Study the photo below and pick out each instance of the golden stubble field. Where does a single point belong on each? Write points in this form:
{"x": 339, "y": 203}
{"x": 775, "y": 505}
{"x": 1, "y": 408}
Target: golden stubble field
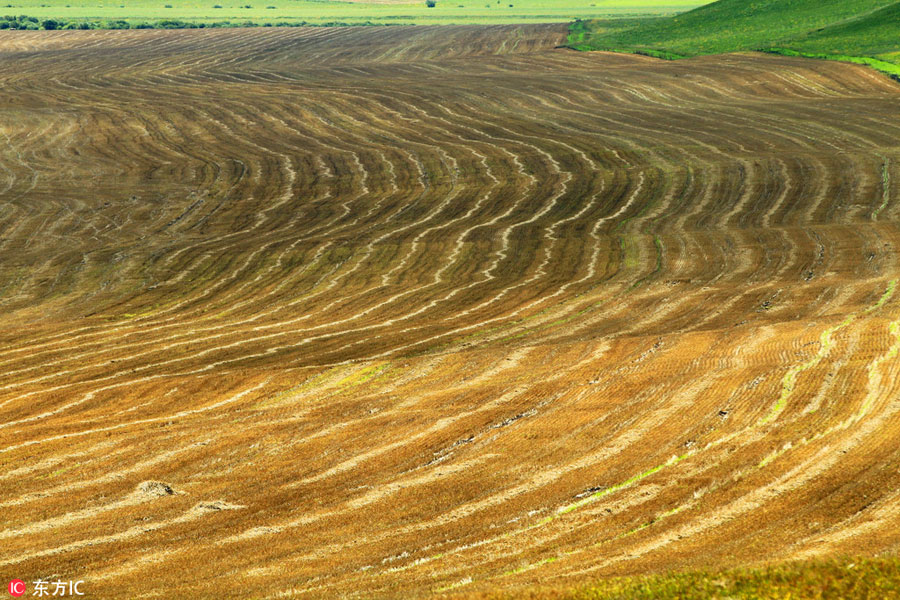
{"x": 393, "y": 312}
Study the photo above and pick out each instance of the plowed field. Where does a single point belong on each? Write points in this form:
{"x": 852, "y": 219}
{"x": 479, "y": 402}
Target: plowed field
{"x": 394, "y": 311}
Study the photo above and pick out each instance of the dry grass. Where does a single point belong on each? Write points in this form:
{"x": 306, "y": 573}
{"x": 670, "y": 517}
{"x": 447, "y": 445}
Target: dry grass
{"x": 404, "y": 311}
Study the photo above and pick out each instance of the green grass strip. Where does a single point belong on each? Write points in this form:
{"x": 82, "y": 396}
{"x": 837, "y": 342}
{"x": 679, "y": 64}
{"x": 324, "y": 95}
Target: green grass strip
{"x": 885, "y": 186}
{"x": 628, "y": 482}
{"x": 826, "y": 342}
{"x": 842, "y": 577}
{"x": 893, "y": 351}
{"x": 888, "y": 68}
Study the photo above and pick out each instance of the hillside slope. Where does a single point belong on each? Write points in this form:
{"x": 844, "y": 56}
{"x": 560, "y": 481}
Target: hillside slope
{"x": 855, "y": 28}
{"x": 875, "y": 34}
{"x": 390, "y": 312}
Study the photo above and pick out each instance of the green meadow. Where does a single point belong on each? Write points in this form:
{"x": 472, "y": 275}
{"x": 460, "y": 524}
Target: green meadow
{"x": 863, "y": 31}
{"x": 320, "y": 12}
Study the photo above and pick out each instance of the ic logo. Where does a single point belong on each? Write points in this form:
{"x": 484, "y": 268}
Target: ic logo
{"x": 17, "y": 587}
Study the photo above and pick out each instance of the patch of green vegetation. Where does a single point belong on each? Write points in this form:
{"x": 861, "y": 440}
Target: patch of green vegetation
{"x": 540, "y": 563}
{"x": 885, "y": 187}
{"x": 833, "y": 578}
{"x": 860, "y": 31}
{"x": 581, "y": 30}
{"x": 663, "y": 54}
{"x": 733, "y": 25}
{"x": 891, "y": 69}
{"x": 362, "y": 376}
{"x": 674, "y": 460}
{"x": 95, "y": 14}
{"x": 826, "y": 342}
{"x": 873, "y": 34}
{"x": 56, "y": 473}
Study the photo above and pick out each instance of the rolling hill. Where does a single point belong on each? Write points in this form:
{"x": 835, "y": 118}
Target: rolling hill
{"x": 427, "y": 311}
{"x": 875, "y": 34}
{"x": 827, "y": 28}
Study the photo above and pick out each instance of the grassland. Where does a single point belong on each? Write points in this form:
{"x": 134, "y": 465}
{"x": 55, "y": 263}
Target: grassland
{"x": 866, "y": 31}
{"x": 875, "y": 579}
{"x": 319, "y": 12}
{"x": 397, "y": 312}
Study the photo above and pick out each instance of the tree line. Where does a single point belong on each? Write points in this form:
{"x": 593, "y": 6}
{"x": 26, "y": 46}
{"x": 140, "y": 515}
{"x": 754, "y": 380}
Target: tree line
{"x": 33, "y": 23}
